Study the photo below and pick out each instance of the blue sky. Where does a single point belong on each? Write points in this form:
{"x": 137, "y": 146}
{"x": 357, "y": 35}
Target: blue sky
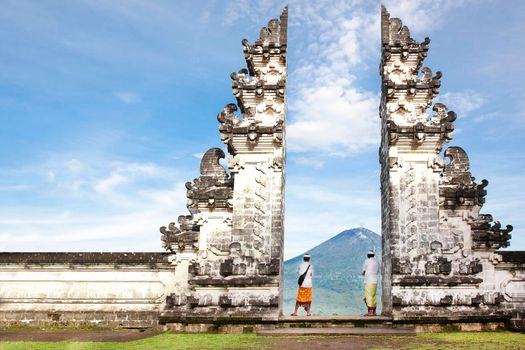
{"x": 106, "y": 108}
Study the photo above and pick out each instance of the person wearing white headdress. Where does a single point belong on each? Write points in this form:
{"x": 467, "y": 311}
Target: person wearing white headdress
{"x": 370, "y": 272}
{"x": 305, "y": 273}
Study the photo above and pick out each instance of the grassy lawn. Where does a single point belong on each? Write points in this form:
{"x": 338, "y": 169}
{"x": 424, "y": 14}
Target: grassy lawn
{"x": 468, "y": 340}
{"x": 158, "y": 342}
{"x": 428, "y": 341}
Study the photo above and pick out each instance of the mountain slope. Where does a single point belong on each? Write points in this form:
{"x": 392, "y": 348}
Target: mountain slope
{"x": 338, "y": 285}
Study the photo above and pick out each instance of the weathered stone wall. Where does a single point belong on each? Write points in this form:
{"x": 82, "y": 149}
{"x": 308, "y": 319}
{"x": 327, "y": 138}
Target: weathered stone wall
{"x": 86, "y": 289}
{"x": 235, "y": 230}
{"x": 440, "y": 254}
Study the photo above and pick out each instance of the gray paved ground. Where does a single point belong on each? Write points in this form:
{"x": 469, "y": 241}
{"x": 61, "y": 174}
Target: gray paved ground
{"x": 339, "y": 331}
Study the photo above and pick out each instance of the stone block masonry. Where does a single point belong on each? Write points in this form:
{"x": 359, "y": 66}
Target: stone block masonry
{"x": 440, "y": 254}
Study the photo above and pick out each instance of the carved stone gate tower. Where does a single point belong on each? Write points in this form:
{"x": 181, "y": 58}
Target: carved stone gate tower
{"x": 440, "y": 255}
{"x": 232, "y": 240}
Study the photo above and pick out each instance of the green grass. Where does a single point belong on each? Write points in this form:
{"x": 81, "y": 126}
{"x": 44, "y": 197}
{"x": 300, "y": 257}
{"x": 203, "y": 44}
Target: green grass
{"x": 426, "y": 341}
{"x": 163, "y": 341}
{"x": 471, "y": 340}
{"x": 52, "y": 328}
{"x": 433, "y": 341}
{"x": 456, "y": 341}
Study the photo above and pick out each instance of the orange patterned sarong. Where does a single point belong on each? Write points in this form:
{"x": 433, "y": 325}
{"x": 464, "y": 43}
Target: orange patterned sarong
{"x": 304, "y": 296}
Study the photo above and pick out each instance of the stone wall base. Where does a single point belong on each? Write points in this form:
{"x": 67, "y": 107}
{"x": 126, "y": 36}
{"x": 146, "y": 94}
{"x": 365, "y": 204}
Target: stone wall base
{"x": 463, "y": 323}
{"x": 144, "y": 319}
{"x": 213, "y": 328}
{"x": 517, "y": 322}
{"x": 235, "y": 325}
{"x": 460, "y": 327}
{"x": 419, "y": 325}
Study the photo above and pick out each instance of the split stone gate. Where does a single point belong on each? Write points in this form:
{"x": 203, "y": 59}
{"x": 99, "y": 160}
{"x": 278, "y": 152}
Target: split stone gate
{"x": 225, "y": 258}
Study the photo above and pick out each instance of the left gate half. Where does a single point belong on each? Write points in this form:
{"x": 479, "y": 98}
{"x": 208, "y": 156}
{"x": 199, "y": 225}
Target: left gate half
{"x": 233, "y": 237}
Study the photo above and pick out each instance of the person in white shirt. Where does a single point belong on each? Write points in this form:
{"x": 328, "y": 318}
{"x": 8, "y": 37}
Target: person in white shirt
{"x": 370, "y": 271}
{"x": 304, "y": 294}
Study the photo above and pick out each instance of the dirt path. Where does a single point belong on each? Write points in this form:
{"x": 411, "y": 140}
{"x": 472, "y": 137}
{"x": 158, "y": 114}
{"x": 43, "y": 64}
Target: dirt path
{"x": 338, "y": 343}
{"x": 75, "y": 335}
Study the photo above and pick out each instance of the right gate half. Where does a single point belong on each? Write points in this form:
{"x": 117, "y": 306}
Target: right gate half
{"x": 440, "y": 255}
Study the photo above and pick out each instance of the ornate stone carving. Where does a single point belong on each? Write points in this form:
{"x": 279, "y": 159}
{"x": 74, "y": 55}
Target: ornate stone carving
{"x": 470, "y": 268}
{"x": 272, "y": 41}
{"x": 489, "y": 235}
{"x": 440, "y": 266}
{"x": 227, "y": 120}
{"x": 214, "y": 187}
{"x": 186, "y": 236}
{"x": 458, "y": 186}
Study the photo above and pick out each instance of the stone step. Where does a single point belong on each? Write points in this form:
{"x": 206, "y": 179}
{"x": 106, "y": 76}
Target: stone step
{"x": 335, "y": 319}
{"x": 338, "y": 331}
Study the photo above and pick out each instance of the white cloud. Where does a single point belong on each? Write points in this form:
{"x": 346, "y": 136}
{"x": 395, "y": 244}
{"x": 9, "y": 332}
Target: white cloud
{"x": 423, "y": 15}
{"x": 127, "y": 97}
{"x": 15, "y": 188}
{"x": 334, "y": 120}
{"x": 462, "y": 102}
{"x": 488, "y": 116}
{"x": 109, "y": 183}
{"x": 74, "y": 165}
{"x": 311, "y": 162}
{"x": 95, "y": 211}
{"x": 100, "y": 231}
{"x": 51, "y": 176}
{"x": 328, "y": 112}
